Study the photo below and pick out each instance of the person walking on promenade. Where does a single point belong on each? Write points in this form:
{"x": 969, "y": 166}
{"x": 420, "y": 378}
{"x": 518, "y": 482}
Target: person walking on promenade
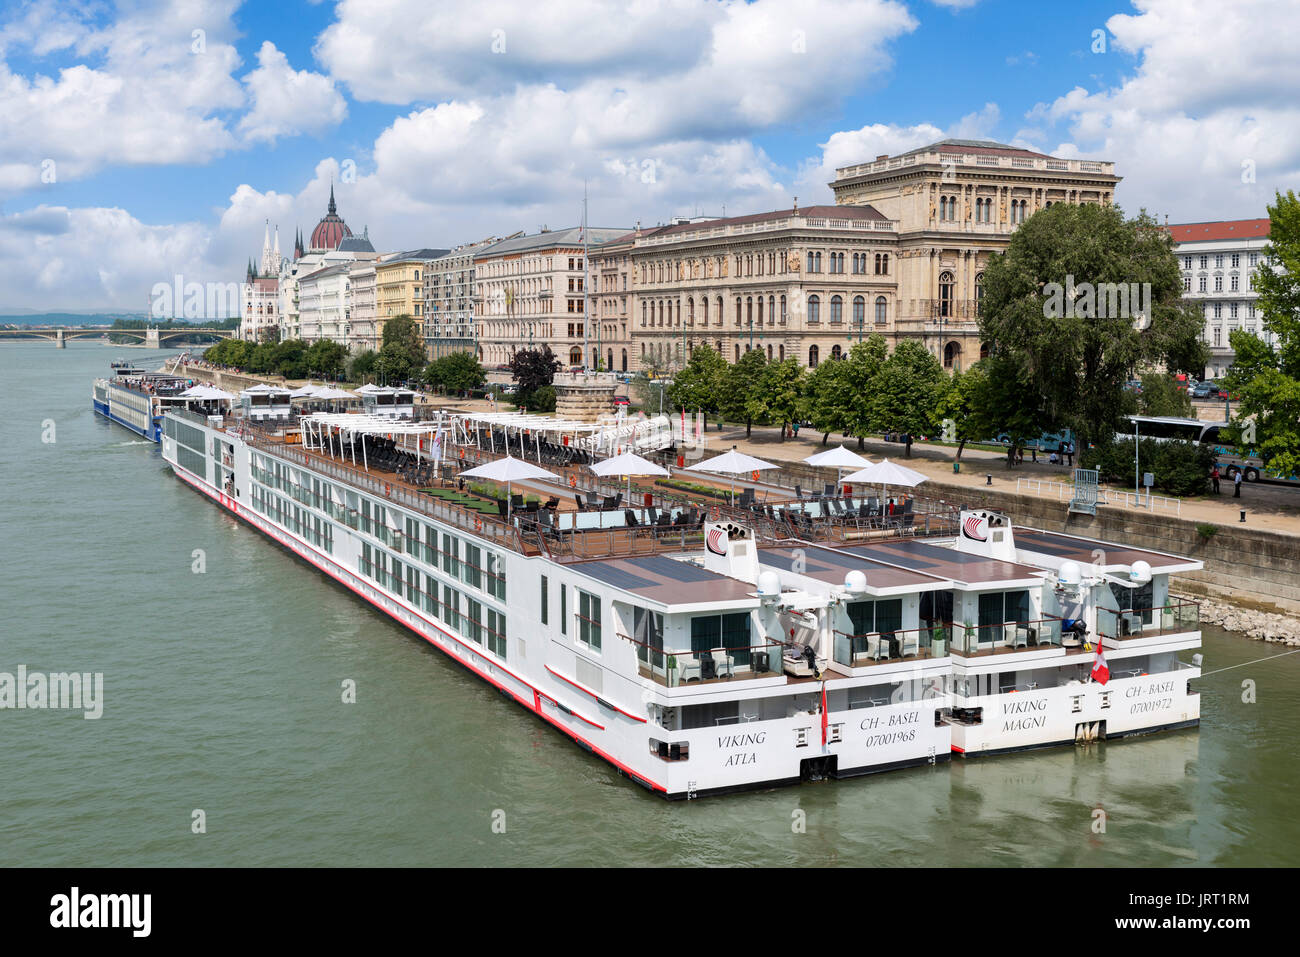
{"x": 1236, "y": 484}
{"x": 1214, "y": 479}
{"x": 1069, "y": 451}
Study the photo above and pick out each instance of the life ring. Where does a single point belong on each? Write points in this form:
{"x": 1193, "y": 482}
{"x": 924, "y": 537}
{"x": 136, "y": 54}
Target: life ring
{"x": 754, "y": 475}
{"x": 717, "y": 513}
{"x": 573, "y": 481}
{"x": 388, "y": 489}
{"x": 478, "y": 524}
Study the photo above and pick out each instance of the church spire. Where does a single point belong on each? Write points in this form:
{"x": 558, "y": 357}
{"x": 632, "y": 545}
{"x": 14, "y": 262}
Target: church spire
{"x": 332, "y": 207}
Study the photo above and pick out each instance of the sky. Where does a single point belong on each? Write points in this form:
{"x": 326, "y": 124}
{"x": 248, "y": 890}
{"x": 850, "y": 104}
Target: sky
{"x": 145, "y": 139}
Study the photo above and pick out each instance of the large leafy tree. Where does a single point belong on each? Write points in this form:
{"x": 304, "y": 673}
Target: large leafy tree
{"x": 534, "y": 370}
{"x": 960, "y": 409}
{"x": 1161, "y": 395}
{"x": 1074, "y": 353}
{"x": 1267, "y": 377}
{"x": 826, "y": 392}
{"x": 326, "y": 359}
{"x": 908, "y": 390}
{"x": 699, "y": 386}
{"x": 456, "y": 372}
{"x": 779, "y": 396}
{"x": 743, "y": 379}
{"x": 863, "y": 369}
{"x": 402, "y": 341}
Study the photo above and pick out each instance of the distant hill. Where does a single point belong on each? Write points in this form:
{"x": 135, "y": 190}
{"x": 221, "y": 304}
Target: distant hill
{"x": 69, "y": 318}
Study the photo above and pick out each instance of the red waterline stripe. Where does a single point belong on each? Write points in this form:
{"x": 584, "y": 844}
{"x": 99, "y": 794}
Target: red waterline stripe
{"x": 608, "y": 704}
{"x": 537, "y": 693}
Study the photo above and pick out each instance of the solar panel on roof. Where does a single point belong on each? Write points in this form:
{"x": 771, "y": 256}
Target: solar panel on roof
{"x": 618, "y": 577}
{"x": 673, "y": 570}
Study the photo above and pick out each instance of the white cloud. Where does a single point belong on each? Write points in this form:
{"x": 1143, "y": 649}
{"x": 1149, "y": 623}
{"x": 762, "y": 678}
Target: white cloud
{"x": 1212, "y": 97}
{"x": 286, "y": 101}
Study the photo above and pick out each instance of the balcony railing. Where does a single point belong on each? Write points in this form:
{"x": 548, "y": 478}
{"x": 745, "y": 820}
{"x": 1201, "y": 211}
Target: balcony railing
{"x": 879, "y": 647}
{"x": 673, "y": 668}
{"x": 970, "y": 640}
{"x": 976, "y": 159}
{"x": 1178, "y": 616}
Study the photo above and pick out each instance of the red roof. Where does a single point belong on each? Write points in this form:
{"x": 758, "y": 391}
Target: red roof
{"x": 1227, "y": 229}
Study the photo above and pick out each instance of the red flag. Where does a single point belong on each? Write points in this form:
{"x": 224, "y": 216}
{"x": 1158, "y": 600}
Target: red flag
{"x": 1100, "y": 670}
{"x": 825, "y": 721}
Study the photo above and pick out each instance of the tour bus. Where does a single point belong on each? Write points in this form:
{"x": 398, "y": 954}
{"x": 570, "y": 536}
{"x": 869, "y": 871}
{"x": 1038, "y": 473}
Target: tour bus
{"x": 1198, "y": 432}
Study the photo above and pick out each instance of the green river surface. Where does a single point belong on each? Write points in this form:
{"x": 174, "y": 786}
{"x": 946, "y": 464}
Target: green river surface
{"x": 222, "y": 692}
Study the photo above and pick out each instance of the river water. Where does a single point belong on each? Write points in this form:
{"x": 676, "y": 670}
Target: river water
{"x": 222, "y": 694}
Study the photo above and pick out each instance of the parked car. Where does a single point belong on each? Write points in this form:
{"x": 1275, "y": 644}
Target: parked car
{"x": 1133, "y": 385}
{"x": 620, "y": 402}
{"x": 1205, "y": 390}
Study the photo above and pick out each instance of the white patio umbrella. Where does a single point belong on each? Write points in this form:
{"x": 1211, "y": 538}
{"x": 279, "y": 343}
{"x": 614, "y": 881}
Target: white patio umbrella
{"x": 206, "y": 392}
{"x": 304, "y": 391}
{"x": 628, "y": 464}
{"x": 509, "y": 469}
{"x": 732, "y": 463}
{"x": 839, "y": 459}
{"x": 887, "y": 473}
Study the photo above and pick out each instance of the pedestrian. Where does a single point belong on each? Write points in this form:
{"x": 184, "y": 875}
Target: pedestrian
{"x": 1236, "y": 484}
{"x": 1069, "y": 451}
{"x": 1214, "y": 479}
{"x": 795, "y": 427}
{"x": 1053, "y": 458}
{"x": 1033, "y": 452}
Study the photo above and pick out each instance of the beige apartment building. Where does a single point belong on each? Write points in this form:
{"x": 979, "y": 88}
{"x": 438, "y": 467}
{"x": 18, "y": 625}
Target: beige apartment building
{"x": 399, "y": 286}
{"x": 532, "y": 290}
{"x": 956, "y": 202}
{"x": 613, "y": 282}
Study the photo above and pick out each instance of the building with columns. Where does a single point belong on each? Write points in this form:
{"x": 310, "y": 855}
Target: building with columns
{"x": 955, "y": 203}
{"x": 533, "y": 290}
{"x": 1218, "y": 262}
{"x": 363, "y": 325}
{"x": 399, "y": 286}
{"x": 803, "y": 283}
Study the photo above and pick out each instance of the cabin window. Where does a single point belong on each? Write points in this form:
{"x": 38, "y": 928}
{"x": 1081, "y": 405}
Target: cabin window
{"x": 718, "y": 632}
{"x": 1138, "y": 600}
{"x": 496, "y": 633}
{"x": 564, "y": 613}
{"x": 474, "y": 621}
{"x": 589, "y": 620}
{"x": 472, "y": 568}
{"x": 546, "y": 604}
{"x": 874, "y": 617}
{"x": 451, "y": 607}
{"x": 998, "y": 608}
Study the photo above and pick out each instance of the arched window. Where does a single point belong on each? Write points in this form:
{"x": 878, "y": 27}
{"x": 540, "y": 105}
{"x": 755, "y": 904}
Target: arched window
{"x": 984, "y": 350}
{"x": 782, "y": 353}
{"x": 859, "y": 310}
{"x": 882, "y": 309}
{"x": 643, "y": 308}
{"x": 943, "y": 208}
{"x": 719, "y": 311}
{"x": 737, "y": 351}
{"x": 690, "y": 310}
{"x": 783, "y": 310}
{"x": 819, "y": 261}
{"x": 749, "y": 309}
{"x": 836, "y": 352}
{"x": 945, "y": 294}
{"x": 769, "y": 352}
{"x": 837, "y": 309}
{"x": 952, "y": 355}
{"x": 812, "y": 357}
{"x": 771, "y": 308}
{"x": 704, "y": 310}
{"x": 610, "y": 366}
{"x": 760, "y": 310}
{"x": 624, "y": 360}
{"x": 575, "y": 356}
{"x": 884, "y": 264}
{"x": 814, "y": 309}
{"x": 738, "y": 319}
{"x": 810, "y": 262}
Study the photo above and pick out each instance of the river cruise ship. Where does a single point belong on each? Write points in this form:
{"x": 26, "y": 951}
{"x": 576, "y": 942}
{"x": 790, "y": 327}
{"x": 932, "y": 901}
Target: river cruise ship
{"x": 136, "y": 399}
{"x": 701, "y": 646}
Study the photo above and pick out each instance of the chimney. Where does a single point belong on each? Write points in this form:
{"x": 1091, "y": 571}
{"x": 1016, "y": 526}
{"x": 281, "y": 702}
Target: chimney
{"x": 796, "y": 206}
{"x": 882, "y": 156}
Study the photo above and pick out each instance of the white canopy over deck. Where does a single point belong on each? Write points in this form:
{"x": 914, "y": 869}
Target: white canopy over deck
{"x": 521, "y": 429}
{"x": 422, "y": 439}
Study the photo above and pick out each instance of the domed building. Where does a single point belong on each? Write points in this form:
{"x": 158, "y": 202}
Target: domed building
{"x": 330, "y": 231}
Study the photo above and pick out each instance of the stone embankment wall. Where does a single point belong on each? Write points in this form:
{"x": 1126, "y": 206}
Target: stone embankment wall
{"x": 230, "y": 381}
{"x": 1249, "y": 570}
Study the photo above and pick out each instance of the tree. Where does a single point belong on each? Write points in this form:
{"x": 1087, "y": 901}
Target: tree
{"x": 326, "y": 359}
{"x": 960, "y": 411}
{"x": 862, "y": 413}
{"x": 1160, "y": 395}
{"x": 362, "y": 365}
{"x": 289, "y": 359}
{"x": 532, "y": 370}
{"x": 825, "y": 393}
{"x": 779, "y": 395}
{"x": 395, "y": 363}
{"x": 1058, "y": 308}
{"x": 1267, "y": 377}
{"x": 403, "y": 345}
{"x": 456, "y": 371}
{"x": 742, "y": 379}
{"x": 699, "y": 386}
{"x": 908, "y": 389}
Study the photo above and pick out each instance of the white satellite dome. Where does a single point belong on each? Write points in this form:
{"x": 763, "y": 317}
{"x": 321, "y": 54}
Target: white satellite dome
{"x": 769, "y": 585}
{"x": 855, "y": 582}
{"x": 1070, "y": 574}
{"x": 1140, "y": 572}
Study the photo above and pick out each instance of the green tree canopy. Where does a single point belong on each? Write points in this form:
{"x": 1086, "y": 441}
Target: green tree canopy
{"x": 1267, "y": 377}
{"x": 699, "y": 386}
{"x": 456, "y": 372}
{"x": 1160, "y": 395}
{"x": 908, "y": 390}
{"x": 743, "y": 378}
{"x": 826, "y": 392}
{"x": 402, "y": 341}
{"x": 1072, "y": 342}
{"x": 362, "y": 365}
{"x": 779, "y": 396}
{"x": 534, "y": 370}
{"x": 863, "y": 415}
{"x": 326, "y": 359}
{"x": 960, "y": 409}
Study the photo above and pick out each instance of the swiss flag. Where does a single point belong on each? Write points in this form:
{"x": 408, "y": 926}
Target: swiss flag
{"x": 1100, "y": 670}
{"x": 825, "y": 721}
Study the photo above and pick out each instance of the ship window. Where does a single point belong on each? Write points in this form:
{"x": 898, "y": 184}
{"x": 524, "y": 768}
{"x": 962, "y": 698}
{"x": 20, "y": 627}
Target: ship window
{"x": 472, "y": 569}
{"x": 564, "y": 613}
{"x": 546, "y": 605}
{"x": 729, "y": 633}
{"x": 1134, "y": 599}
{"x": 474, "y": 621}
{"x": 589, "y": 620}
{"x": 648, "y": 633}
{"x": 998, "y": 608}
{"x": 496, "y": 633}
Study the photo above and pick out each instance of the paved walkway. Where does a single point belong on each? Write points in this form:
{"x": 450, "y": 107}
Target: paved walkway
{"x": 1274, "y": 507}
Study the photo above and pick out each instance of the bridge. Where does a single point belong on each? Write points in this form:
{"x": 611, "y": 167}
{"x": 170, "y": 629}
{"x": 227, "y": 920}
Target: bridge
{"x": 152, "y": 338}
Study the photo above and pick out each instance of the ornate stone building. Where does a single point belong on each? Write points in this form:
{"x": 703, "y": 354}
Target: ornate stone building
{"x": 955, "y": 203}
{"x": 803, "y": 283}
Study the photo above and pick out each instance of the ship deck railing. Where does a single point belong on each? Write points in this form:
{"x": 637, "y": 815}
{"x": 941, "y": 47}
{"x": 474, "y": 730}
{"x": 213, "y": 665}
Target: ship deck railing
{"x": 1008, "y": 637}
{"x": 1180, "y": 615}
{"x": 673, "y": 668}
{"x": 892, "y": 645}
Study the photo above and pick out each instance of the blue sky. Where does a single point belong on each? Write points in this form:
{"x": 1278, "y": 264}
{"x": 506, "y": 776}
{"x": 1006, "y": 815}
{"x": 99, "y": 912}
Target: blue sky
{"x": 463, "y": 120}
